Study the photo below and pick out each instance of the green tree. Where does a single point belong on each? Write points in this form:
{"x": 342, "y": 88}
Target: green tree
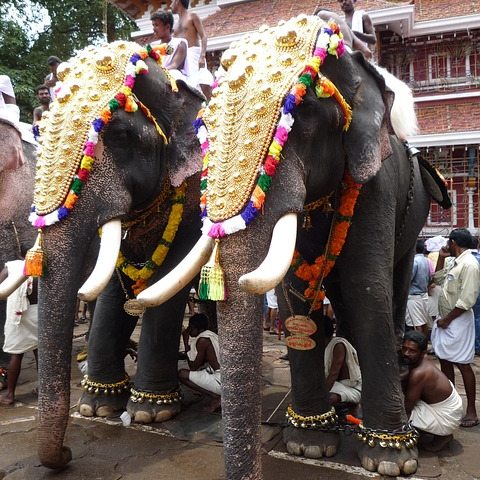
{"x": 54, "y": 28}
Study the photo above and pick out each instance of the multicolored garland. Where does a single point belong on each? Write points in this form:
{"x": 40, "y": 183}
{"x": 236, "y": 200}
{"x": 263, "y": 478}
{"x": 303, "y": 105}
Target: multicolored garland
{"x": 34, "y": 261}
{"x": 322, "y": 266}
{"x": 141, "y": 275}
{"x": 329, "y": 41}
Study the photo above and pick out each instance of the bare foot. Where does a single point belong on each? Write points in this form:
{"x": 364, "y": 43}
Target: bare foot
{"x": 215, "y": 404}
{"x": 6, "y": 399}
{"x": 438, "y": 443}
{"x": 468, "y": 422}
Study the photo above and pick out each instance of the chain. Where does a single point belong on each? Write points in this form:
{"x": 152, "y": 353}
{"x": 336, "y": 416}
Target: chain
{"x": 410, "y": 157}
{"x": 122, "y": 284}
{"x": 99, "y": 388}
{"x": 324, "y": 203}
{"x": 138, "y": 396}
{"x": 404, "y": 437}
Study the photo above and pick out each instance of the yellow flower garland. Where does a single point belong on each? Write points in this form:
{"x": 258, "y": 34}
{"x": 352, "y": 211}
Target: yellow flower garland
{"x": 141, "y": 275}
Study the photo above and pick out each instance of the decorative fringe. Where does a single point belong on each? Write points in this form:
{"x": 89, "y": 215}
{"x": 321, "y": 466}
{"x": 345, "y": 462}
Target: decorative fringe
{"x": 212, "y": 283}
{"x": 35, "y": 258}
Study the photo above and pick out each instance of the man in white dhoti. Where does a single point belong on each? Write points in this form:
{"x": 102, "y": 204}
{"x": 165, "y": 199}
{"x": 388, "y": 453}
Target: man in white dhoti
{"x": 417, "y": 314}
{"x": 203, "y": 353}
{"x": 453, "y": 334}
{"x": 342, "y": 370}
{"x": 431, "y": 401}
{"x": 190, "y": 28}
{"x": 20, "y": 327}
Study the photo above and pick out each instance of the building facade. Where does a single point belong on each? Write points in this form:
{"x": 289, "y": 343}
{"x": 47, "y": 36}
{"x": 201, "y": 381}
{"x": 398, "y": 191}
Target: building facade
{"x": 432, "y": 45}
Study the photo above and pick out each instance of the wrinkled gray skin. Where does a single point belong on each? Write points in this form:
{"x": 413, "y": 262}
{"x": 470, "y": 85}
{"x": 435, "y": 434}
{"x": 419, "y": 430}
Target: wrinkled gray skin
{"x": 368, "y": 286}
{"x": 126, "y": 178}
{"x": 17, "y": 175}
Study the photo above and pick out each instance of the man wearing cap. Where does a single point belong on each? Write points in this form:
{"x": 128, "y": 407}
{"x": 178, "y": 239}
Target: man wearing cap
{"x": 51, "y": 79}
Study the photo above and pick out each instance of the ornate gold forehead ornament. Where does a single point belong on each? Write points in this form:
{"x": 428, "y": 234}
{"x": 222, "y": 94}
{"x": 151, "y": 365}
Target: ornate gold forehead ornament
{"x": 246, "y": 124}
{"x": 93, "y": 85}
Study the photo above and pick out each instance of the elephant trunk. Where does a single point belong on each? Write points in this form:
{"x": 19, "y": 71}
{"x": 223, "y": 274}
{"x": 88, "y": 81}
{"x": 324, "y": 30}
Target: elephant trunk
{"x": 241, "y": 339}
{"x": 57, "y": 300}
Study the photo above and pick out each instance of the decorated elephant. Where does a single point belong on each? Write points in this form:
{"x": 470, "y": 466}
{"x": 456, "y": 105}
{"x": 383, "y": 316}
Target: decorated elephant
{"x": 323, "y": 142}
{"x": 17, "y": 174}
{"x": 118, "y": 155}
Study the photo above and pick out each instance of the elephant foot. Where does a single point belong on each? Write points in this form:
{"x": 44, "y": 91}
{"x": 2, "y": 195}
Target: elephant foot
{"x": 91, "y": 405}
{"x": 149, "y": 412}
{"x": 389, "y": 462}
{"x": 310, "y": 443}
{"x": 55, "y": 462}
{"x": 147, "y": 407}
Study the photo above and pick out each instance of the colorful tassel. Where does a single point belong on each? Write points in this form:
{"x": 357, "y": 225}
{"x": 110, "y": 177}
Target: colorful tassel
{"x": 212, "y": 282}
{"x": 35, "y": 258}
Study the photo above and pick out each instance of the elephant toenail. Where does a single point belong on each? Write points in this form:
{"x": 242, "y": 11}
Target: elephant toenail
{"x": 313, "y": 451}
{"x": 410, "y": 466}
{"x": 368, "y": 464}
{"x": 294, "y": 448}
{"x": 390, "y": 469}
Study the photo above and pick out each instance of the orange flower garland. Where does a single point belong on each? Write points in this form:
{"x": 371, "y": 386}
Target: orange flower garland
{"x": 322, "y": 266}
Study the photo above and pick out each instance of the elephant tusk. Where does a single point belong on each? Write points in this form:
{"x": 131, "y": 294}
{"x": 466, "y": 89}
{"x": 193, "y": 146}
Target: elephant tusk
{"x": 106, "y": 261}
{"x": 10, "y": 284}
{"x": 180, "y": 276}
{"x": 272, "y": 270}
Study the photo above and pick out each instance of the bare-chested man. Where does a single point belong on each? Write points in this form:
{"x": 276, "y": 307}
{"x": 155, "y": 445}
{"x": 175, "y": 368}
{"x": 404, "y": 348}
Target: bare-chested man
{"x": 43, "y": 96}
{"x": 201, "y": 346}
{"x": 431, "y": 401}
{"x": 190, "y": 28}
{"x": 359, "y": 22}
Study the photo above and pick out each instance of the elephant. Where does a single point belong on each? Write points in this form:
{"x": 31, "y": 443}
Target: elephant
{"x": 122, "y": 122}
{"x": 17, "y": 174}
{"x": 341, "y": 124}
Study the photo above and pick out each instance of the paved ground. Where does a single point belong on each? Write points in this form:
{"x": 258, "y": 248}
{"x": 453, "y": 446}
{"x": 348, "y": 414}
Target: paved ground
{"x": 189, "y": 447}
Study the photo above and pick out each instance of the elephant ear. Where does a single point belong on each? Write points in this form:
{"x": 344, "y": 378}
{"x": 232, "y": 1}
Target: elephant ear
{"x": 184, "y": 154}
{"x": 367, "y": 141}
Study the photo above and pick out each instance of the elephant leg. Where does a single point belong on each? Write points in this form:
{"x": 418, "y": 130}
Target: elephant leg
{"x": 401, "y": 284}
{"x": 106, "y": 390}
{"x": 156, "y": 395}
{"x": 369, "y": 309}
{"x": 309, "y": 393}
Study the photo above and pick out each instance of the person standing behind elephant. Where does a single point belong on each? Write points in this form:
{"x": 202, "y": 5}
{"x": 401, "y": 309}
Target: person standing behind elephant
{"x": 453, "y": 334}
{"x": 51, "y": 79}
{"x": 21, "y": 327}
{"x": 43, "y": 97}
{"x": 476, "y": 307}
{"x": 202, "y": 349}
{"x": 416, "y": 315}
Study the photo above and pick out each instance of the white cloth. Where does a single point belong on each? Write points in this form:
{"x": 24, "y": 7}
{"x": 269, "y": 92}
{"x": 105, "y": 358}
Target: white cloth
{"x": 434, "y": 244}
{"x": 440, "y": 418}
{"x": 417, "y": 311}
{"x": 456, "y": 343}
{"x": 349, "y": 389}
{"x": 357, "y": 20}
{"x": 6, "y": 88}
{"x": 434, "y": 294}
{"x": 21, "y": 330}
{"x": 346, "y": 392}
{"x": 206, "y": 378}
{"x": 271, "y": 299}
{"x": 199, "y": 76}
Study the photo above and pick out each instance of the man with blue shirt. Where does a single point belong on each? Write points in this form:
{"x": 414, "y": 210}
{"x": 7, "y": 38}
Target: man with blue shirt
{"x": 416, "y": 316}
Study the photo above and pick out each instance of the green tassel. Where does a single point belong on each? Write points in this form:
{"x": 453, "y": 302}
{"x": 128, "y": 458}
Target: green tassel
{"x": 212, "y": 282}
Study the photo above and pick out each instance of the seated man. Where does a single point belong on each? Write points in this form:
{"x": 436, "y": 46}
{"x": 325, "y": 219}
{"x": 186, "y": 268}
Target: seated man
{"x": 201, "y": 346}
{"x": 342, "y": 370}
{"x": 176, "y": 62}
{"x": 431, "y": 401}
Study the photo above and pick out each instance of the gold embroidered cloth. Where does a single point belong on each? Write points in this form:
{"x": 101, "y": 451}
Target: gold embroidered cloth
{"x": 245, "y": 108}
{"x": 89, "y": 81}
